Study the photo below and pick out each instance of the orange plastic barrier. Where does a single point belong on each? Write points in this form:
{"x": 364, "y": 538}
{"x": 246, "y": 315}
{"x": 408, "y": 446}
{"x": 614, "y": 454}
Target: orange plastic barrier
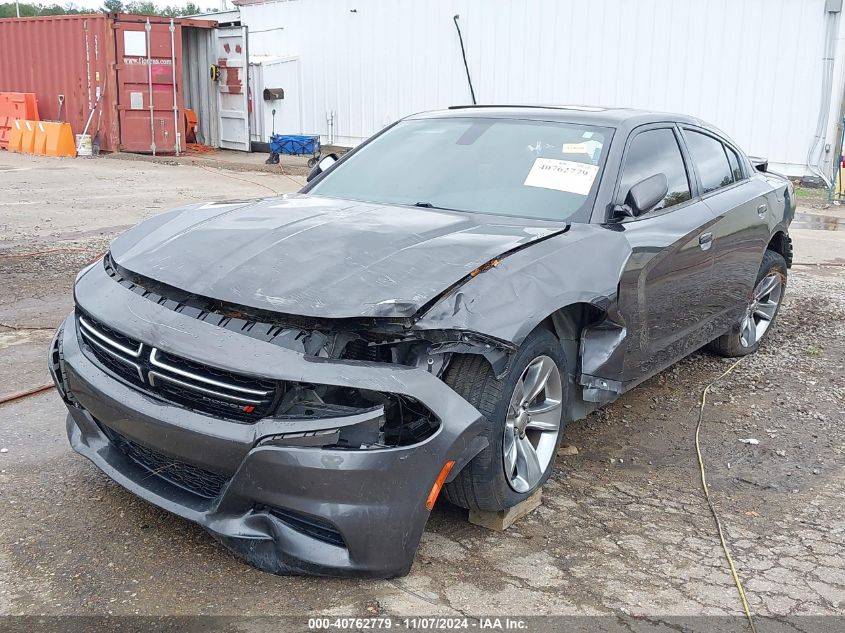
{"x": 15, "y": 105}
{"x": 60, "y": 141}
{"x": 27, "y": 136}
{"x": 49, "y": 138}
{"x": 15, "y": 137}
{"x": 40, "y": 144}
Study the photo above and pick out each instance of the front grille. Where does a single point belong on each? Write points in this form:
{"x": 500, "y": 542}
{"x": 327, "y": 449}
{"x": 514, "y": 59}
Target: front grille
{"x": 184, "y": 382}
{"x": 199, "y": 481}
{"x": 115, "y": 351}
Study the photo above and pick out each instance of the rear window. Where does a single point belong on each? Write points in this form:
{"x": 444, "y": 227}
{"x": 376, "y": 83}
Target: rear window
{"x": 710, "y": 159}
{"x": 535, "y": 169}
{"x": 733, "y": 159}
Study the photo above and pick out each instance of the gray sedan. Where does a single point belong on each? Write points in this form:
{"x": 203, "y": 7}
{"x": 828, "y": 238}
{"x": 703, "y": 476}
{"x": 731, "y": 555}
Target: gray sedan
{"x": 303, "y": 375}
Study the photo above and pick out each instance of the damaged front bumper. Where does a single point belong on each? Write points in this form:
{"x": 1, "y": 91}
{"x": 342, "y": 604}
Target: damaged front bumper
{"x": 282, "y": 508}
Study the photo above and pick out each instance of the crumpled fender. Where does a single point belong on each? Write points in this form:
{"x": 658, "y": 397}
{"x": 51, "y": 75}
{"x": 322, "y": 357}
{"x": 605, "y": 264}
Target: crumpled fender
{"x": 510, "y": 299}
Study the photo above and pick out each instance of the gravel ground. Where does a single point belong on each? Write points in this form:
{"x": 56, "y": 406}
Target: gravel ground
{"x": 623, "y": 527}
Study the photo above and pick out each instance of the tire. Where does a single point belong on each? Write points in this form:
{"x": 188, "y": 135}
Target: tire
{"x": 484, "y": 484}
{"x": 734, "y": 343}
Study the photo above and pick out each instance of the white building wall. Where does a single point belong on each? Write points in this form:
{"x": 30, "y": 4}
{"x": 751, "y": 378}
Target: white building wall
{"x": 751, "y": 67}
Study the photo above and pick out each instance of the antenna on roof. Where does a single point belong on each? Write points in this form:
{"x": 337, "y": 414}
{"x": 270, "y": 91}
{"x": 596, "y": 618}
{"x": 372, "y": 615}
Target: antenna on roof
{"x": 464, "y": 55}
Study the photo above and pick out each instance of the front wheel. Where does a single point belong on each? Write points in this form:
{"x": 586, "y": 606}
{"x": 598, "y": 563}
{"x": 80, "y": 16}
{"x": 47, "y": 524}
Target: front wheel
{"x": 760, "y": 310}
{"x": 524, "y": 412}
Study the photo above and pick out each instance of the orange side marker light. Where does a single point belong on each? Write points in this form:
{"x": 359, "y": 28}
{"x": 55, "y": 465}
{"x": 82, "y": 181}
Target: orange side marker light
{"x": 438, "y": 484}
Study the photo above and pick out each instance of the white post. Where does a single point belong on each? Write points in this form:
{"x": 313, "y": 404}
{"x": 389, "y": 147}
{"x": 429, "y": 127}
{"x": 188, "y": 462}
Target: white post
{"x": 148, "y": 27}
{"x": 173, "y": 69}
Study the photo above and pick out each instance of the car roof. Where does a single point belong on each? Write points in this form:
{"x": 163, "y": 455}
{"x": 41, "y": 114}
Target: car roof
{"x": 584, "y": 114}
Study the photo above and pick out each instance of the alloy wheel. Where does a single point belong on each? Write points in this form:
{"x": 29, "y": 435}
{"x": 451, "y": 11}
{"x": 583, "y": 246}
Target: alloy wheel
{"x": 532, "y": 424}
{"x": 761, "y": 309}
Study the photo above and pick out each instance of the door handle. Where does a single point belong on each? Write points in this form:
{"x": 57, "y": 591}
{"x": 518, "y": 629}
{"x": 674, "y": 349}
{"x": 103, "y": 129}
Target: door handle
{"x": 761, "y": 210}
{"x": 705, "y": 240}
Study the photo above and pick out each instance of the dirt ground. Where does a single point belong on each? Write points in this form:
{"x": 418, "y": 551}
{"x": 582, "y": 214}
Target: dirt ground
{"x": 623, "y": 528}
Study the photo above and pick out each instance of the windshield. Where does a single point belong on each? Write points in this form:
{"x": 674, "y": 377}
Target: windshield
{"x": 534, "y": 169}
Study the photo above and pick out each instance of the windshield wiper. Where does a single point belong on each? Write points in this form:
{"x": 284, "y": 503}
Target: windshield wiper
{"x": 428, "y": 205}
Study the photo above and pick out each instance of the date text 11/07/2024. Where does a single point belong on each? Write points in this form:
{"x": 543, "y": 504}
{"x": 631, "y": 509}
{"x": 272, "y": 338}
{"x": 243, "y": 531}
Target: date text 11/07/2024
{"x": 418, "y": 623}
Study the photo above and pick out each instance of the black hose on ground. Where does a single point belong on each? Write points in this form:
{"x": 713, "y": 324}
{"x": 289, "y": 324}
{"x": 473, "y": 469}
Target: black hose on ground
{"x": 24, "y": 394}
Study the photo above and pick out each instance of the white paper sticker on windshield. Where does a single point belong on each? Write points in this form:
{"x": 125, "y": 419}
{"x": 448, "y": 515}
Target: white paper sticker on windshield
{"x": 575, "y": 148}
{"x": 562, "y": 175}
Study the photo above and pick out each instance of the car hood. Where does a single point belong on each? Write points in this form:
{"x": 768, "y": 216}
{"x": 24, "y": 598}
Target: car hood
{"x": 320, "y": 257}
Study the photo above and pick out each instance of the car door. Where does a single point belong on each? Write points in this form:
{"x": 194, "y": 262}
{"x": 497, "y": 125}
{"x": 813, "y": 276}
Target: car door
{"x": 741, "y": 207}
{"x": 664, "y": 291}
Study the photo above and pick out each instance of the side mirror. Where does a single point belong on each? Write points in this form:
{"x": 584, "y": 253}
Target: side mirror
{"x": 645, "y": 195}
{"x": 322, "y": 165}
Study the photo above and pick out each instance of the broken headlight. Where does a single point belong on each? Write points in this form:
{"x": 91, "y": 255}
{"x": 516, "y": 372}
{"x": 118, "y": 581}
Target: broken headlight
{"x": 353, "y": 419}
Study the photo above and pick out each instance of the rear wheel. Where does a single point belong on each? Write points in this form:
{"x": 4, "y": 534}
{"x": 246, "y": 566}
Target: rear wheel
{"x": 760, "y": 311}
{"x": 524, "y": 412}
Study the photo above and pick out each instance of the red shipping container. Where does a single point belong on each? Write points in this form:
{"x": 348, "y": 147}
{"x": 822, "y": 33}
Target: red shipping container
{"x": 133, "y": 67}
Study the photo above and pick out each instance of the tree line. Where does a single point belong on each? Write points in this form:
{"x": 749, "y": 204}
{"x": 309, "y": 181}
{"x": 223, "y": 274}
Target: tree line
{"x": 142, "y": 7}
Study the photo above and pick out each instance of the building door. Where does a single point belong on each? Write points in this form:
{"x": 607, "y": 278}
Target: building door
{"x": 199, "y": 53}
{"x": 232, "y": 90}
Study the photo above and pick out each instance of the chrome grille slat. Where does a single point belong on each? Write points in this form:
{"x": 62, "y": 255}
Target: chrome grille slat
{"x": 175, "y": 379}
{"x": 154, "y": 375}
{"x": 113, "y": 354}
{"x": 154, "y": 360}
{"x": 105, "y": 339}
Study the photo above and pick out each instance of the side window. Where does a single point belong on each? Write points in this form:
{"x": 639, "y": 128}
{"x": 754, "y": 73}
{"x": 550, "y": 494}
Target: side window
{"x": 711, "y": 162}
{"x": 733, "y": 159}
{"x": 653, "y": 152}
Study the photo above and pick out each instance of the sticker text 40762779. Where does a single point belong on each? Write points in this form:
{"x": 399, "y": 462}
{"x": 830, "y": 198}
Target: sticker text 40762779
{"x": 562, "y": 175}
